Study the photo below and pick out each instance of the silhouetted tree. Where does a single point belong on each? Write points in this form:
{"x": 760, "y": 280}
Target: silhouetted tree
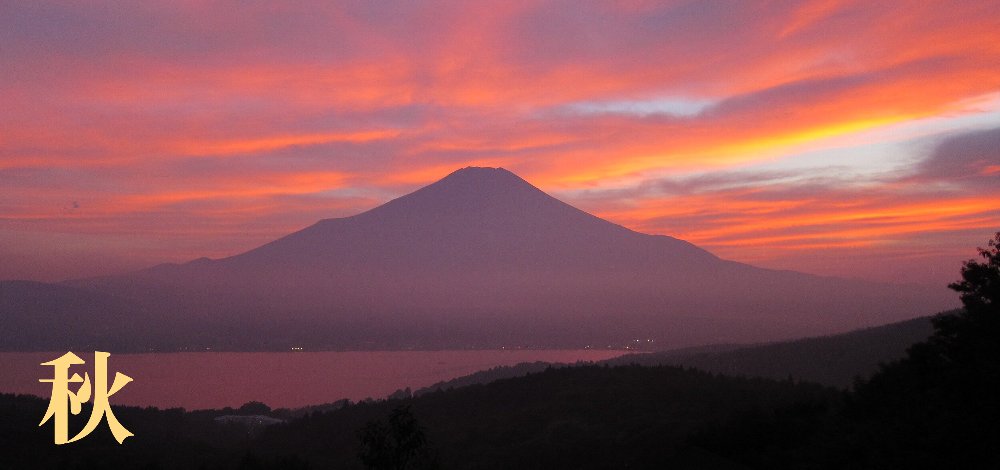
{"x": 980, "y": 284}
{"x": 400, "y": 445}
{"x": 939, "y": 405}
{"x": 254, "y": 408}
{"x": 971, "y": 336}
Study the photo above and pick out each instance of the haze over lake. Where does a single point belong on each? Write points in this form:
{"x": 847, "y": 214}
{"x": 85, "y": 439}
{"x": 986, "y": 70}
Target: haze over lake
{"x": 279, "y": 379}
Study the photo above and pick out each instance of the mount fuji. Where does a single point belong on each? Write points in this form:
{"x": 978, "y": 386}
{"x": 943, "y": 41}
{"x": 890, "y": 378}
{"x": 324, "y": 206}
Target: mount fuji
{"x": 478, "y": 259}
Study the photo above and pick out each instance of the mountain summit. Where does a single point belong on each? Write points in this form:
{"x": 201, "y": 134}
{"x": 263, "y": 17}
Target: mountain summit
{"x": 482, "y": 258}
{"x": 479, "y": 219}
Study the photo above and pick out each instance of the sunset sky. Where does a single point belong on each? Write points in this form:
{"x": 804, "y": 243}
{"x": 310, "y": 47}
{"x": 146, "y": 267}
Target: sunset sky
{"x": 857, "y": 139}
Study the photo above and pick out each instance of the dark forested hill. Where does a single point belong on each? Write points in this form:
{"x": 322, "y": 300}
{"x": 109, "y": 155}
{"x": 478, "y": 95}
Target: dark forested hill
{"x": 834, "y": 360}
{"x": 583, "y": 417}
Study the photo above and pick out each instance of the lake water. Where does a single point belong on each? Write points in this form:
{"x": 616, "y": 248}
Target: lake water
{"x": 279, "y": 379}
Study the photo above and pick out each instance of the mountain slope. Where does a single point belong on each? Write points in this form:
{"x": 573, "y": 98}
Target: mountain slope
{"x": 481, "y": 259}
{"x": 476, "y": 218}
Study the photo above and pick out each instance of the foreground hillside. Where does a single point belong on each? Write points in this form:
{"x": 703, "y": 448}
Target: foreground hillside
{"x": 585, "y": 417}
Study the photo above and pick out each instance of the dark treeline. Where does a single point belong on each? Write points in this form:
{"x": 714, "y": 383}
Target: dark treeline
{"x": 581, "y": 417}
{"x": 937, "y": 407}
